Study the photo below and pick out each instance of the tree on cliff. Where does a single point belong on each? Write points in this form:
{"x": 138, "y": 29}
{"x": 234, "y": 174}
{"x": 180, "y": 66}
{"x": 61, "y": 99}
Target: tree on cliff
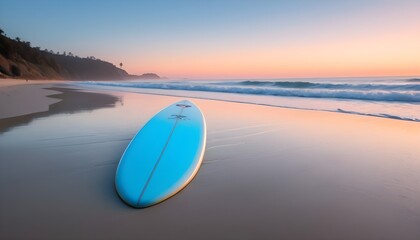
{"x": 121, "y": 65}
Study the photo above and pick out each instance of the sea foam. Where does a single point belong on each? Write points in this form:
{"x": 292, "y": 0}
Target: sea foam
{"x": 409, "y": 93}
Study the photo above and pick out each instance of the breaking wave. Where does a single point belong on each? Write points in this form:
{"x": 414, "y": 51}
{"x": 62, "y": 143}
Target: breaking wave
{"x": 389, "y": 92}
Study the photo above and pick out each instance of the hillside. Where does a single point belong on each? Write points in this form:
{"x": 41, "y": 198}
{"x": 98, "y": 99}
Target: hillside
{"x": 19, "y": 60}
{"x": 85, "y": 68}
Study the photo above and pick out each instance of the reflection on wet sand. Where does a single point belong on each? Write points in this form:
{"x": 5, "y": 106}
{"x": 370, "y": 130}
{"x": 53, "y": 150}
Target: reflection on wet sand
{"x": 72, "y": 101}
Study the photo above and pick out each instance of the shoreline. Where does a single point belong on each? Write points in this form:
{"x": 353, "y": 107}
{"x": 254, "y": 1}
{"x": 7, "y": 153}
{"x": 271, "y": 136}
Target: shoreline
{"x": 15, "y": 83}
{"x": 44, "y": 97}
{"x": 14, "y": 90}
{"x": 159, "y": 92}
{"x": 394, "y": 109}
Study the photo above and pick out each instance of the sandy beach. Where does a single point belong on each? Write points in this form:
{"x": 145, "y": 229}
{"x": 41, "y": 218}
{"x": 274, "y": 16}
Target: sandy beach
{"x": 268, "y": 172}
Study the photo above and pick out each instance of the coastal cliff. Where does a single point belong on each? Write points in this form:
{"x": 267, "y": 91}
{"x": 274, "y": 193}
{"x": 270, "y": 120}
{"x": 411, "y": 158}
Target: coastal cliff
{"x": 18, "y": 59}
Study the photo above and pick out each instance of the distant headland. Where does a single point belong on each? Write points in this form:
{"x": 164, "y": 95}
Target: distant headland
{"x": 18, "y": 59}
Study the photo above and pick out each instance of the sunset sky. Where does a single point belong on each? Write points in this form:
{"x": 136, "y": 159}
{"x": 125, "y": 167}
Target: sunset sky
{"x": 228, "y": 39}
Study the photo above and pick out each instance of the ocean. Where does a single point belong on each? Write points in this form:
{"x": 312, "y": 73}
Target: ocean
{"x": 388, "y": 97}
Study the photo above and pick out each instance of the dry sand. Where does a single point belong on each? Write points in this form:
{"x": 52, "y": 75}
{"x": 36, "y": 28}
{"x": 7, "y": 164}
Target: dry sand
{"x": 268, "y": 173}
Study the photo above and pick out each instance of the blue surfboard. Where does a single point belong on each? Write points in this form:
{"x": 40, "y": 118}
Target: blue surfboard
{"x": 163, "y": 157}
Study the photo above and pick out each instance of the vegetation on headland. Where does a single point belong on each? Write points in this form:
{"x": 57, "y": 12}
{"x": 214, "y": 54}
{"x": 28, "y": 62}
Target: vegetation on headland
{"x": 18, "y": 59}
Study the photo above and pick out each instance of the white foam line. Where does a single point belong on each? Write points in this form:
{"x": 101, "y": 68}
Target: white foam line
{"x": 127, "y": 89}
{"x": 394, "y": 95}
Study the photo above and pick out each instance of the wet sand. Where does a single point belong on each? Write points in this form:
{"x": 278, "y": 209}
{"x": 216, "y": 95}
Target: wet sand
{"x": 20, "y": 97}
{"x": 55, "y": 100}
{"x": 268, "y": 173}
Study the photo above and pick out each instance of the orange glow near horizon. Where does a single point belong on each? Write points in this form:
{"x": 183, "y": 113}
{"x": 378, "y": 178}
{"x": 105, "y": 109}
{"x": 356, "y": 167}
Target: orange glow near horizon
{"x": 370, "y": 57}
{"x": 361, "y": 45}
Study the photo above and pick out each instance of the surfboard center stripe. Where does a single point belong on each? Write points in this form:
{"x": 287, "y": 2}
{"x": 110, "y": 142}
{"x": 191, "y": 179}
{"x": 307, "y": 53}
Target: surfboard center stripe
{"x": 160, "y": 157}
